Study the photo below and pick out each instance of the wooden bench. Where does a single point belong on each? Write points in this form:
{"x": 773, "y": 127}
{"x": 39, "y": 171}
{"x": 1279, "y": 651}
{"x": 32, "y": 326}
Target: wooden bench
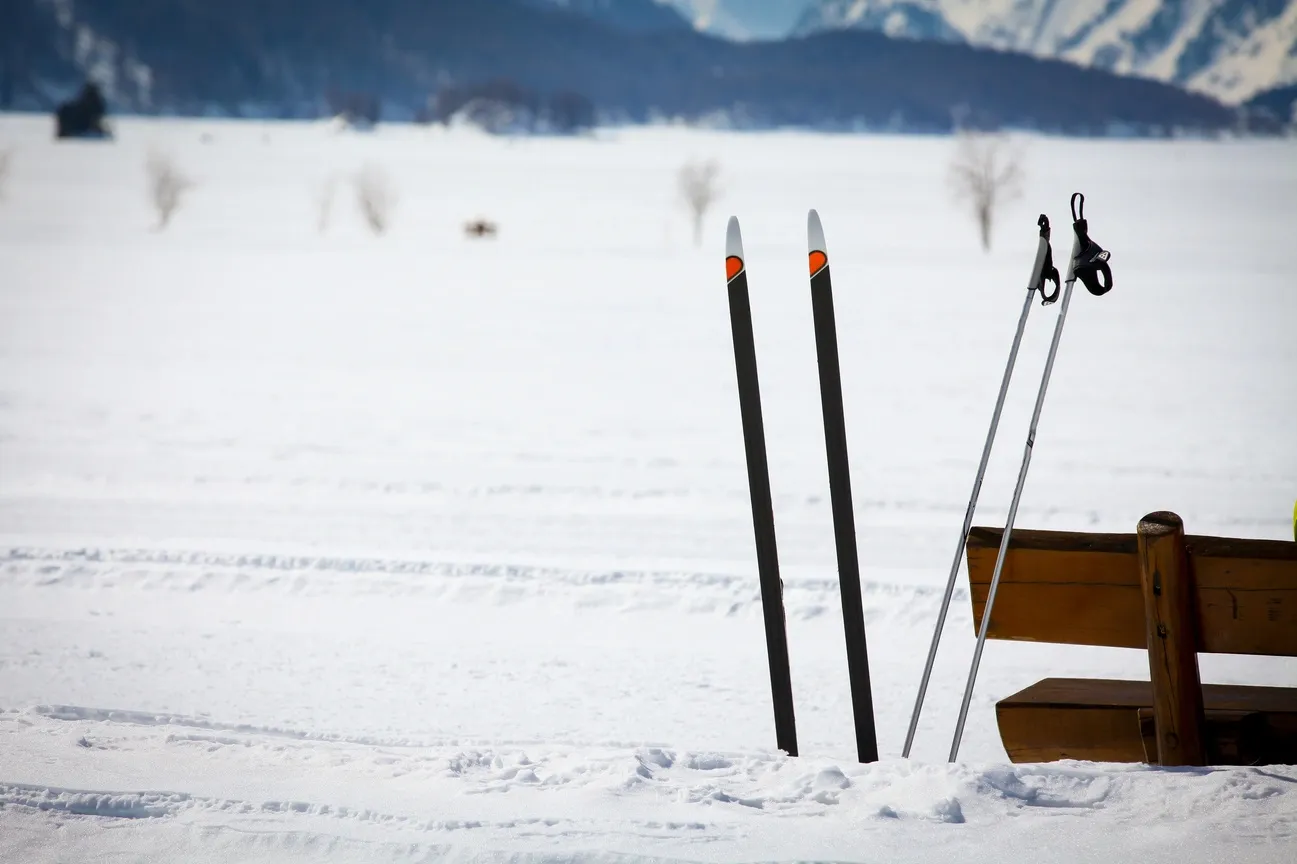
{"x": 1159, "y": 590}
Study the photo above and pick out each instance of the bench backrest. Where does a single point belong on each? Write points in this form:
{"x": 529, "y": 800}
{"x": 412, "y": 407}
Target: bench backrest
{"x": 1084, "y": 589}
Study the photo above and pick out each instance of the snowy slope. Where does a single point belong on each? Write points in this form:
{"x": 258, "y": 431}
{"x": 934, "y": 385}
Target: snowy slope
{"x": 333, "y": 547}
{"x": 1230, "y": 49}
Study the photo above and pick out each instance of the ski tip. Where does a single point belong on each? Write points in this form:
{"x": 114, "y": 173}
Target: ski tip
{"x": 733, "y": 249}
{"x": 815, "y": 233}
{"x": 733, "y": 239}
{"x": 815, "y": 243}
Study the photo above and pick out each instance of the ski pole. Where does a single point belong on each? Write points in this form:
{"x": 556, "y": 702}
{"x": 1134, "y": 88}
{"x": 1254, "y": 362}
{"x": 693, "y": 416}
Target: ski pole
{"x": 1042, "y": 269}
{"x": 1086, "y": 263}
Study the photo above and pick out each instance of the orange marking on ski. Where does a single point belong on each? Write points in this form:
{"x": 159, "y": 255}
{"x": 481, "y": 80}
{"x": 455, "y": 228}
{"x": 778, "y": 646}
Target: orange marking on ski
{"x": 733, "y": 264}
{"x": 818, "y": 261}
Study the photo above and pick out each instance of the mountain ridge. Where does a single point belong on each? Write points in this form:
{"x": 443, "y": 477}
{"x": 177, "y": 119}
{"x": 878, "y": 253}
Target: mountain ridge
{"x": 1228, "y": 49}
{"x": 258, "y": 58}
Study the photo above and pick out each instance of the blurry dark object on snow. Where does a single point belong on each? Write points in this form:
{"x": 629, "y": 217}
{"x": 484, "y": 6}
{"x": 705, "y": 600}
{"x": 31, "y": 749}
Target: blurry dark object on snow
{"x": 83, "y": 117}
{"x": 480, "y": 228}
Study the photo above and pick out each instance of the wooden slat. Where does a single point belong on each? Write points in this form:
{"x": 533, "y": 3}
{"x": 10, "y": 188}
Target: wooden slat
{"x": 1073, "y": 718}
{"x": 1083, "y": 589}
{"x": 1100, "y": 720}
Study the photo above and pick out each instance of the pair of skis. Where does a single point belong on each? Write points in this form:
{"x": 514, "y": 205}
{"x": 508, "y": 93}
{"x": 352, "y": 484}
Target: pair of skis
{"x": 763, "y": 522}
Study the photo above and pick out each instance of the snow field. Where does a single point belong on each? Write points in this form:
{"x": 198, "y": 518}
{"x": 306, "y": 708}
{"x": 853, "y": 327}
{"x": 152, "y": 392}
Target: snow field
{"x": 344, "y": 547}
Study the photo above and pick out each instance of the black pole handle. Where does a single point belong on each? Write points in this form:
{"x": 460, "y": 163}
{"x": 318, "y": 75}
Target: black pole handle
{"x": 1048, "y": 272}
{"x": 1091, "y": 262}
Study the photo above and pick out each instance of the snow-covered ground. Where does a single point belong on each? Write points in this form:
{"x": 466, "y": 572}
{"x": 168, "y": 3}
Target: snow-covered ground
{"x": 321, "y": 545}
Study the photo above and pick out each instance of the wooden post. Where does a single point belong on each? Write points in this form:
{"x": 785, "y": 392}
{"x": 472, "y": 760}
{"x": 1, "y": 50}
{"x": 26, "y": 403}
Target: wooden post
{"x": 1167, "y": 584}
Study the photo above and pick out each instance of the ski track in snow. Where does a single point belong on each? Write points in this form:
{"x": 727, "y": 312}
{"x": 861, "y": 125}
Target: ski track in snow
{"x": 625, "y": 590}
{"x": 699, "y": 797}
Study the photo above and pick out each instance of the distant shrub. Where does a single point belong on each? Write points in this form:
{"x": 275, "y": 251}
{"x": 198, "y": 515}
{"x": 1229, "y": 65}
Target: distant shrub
{"x": 497, "y": 105}
{"x": 356, "y": 109}
{"x": 699, "y": 186}
{"x": 502, "y": 106}
{"x": 166, "y": 187}
{"x": 375, "y": 197}
{"x": 567, "y": 112}
{"x": 324, "y": 204}
{"x": 985, "y": 173}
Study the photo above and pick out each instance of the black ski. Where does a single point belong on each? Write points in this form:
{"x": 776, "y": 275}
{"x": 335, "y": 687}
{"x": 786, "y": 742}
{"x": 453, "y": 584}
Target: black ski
{"x": 763, "y": 518}
{"x": 844, "y": 527}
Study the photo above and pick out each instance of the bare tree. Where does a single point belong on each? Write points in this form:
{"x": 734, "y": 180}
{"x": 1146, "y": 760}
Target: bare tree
{"x": 699, "y": 187}
{"x": 986, "y": 173}
{"x": 324, "y": 204}
{"x": 375, "y": 197}
{"x": 167, "y": 187}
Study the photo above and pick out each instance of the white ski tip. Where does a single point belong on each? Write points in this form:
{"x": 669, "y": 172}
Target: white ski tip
{"x": 733, "y": 239}
{"x": 815, "y": 233}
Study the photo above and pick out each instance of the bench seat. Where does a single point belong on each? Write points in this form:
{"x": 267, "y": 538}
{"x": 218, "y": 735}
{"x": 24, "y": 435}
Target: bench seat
{"x": 1108, "y": 720}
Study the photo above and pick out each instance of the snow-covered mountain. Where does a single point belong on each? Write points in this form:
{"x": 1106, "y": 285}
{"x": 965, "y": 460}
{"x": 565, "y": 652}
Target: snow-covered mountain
{"x": 249, "y": 58}
{"x": 644, "y": 16}
{"x": 743, "y": 20}
{"x": 735, "y": 20}
{"x": 1230, "y": 49}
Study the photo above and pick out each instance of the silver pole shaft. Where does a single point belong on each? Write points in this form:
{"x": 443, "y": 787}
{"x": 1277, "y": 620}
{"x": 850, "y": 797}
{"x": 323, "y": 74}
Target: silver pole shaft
{"x": 968, "y": 522}
{"x": 1013, "y": 506}
{"x": 1041, "y": 249}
